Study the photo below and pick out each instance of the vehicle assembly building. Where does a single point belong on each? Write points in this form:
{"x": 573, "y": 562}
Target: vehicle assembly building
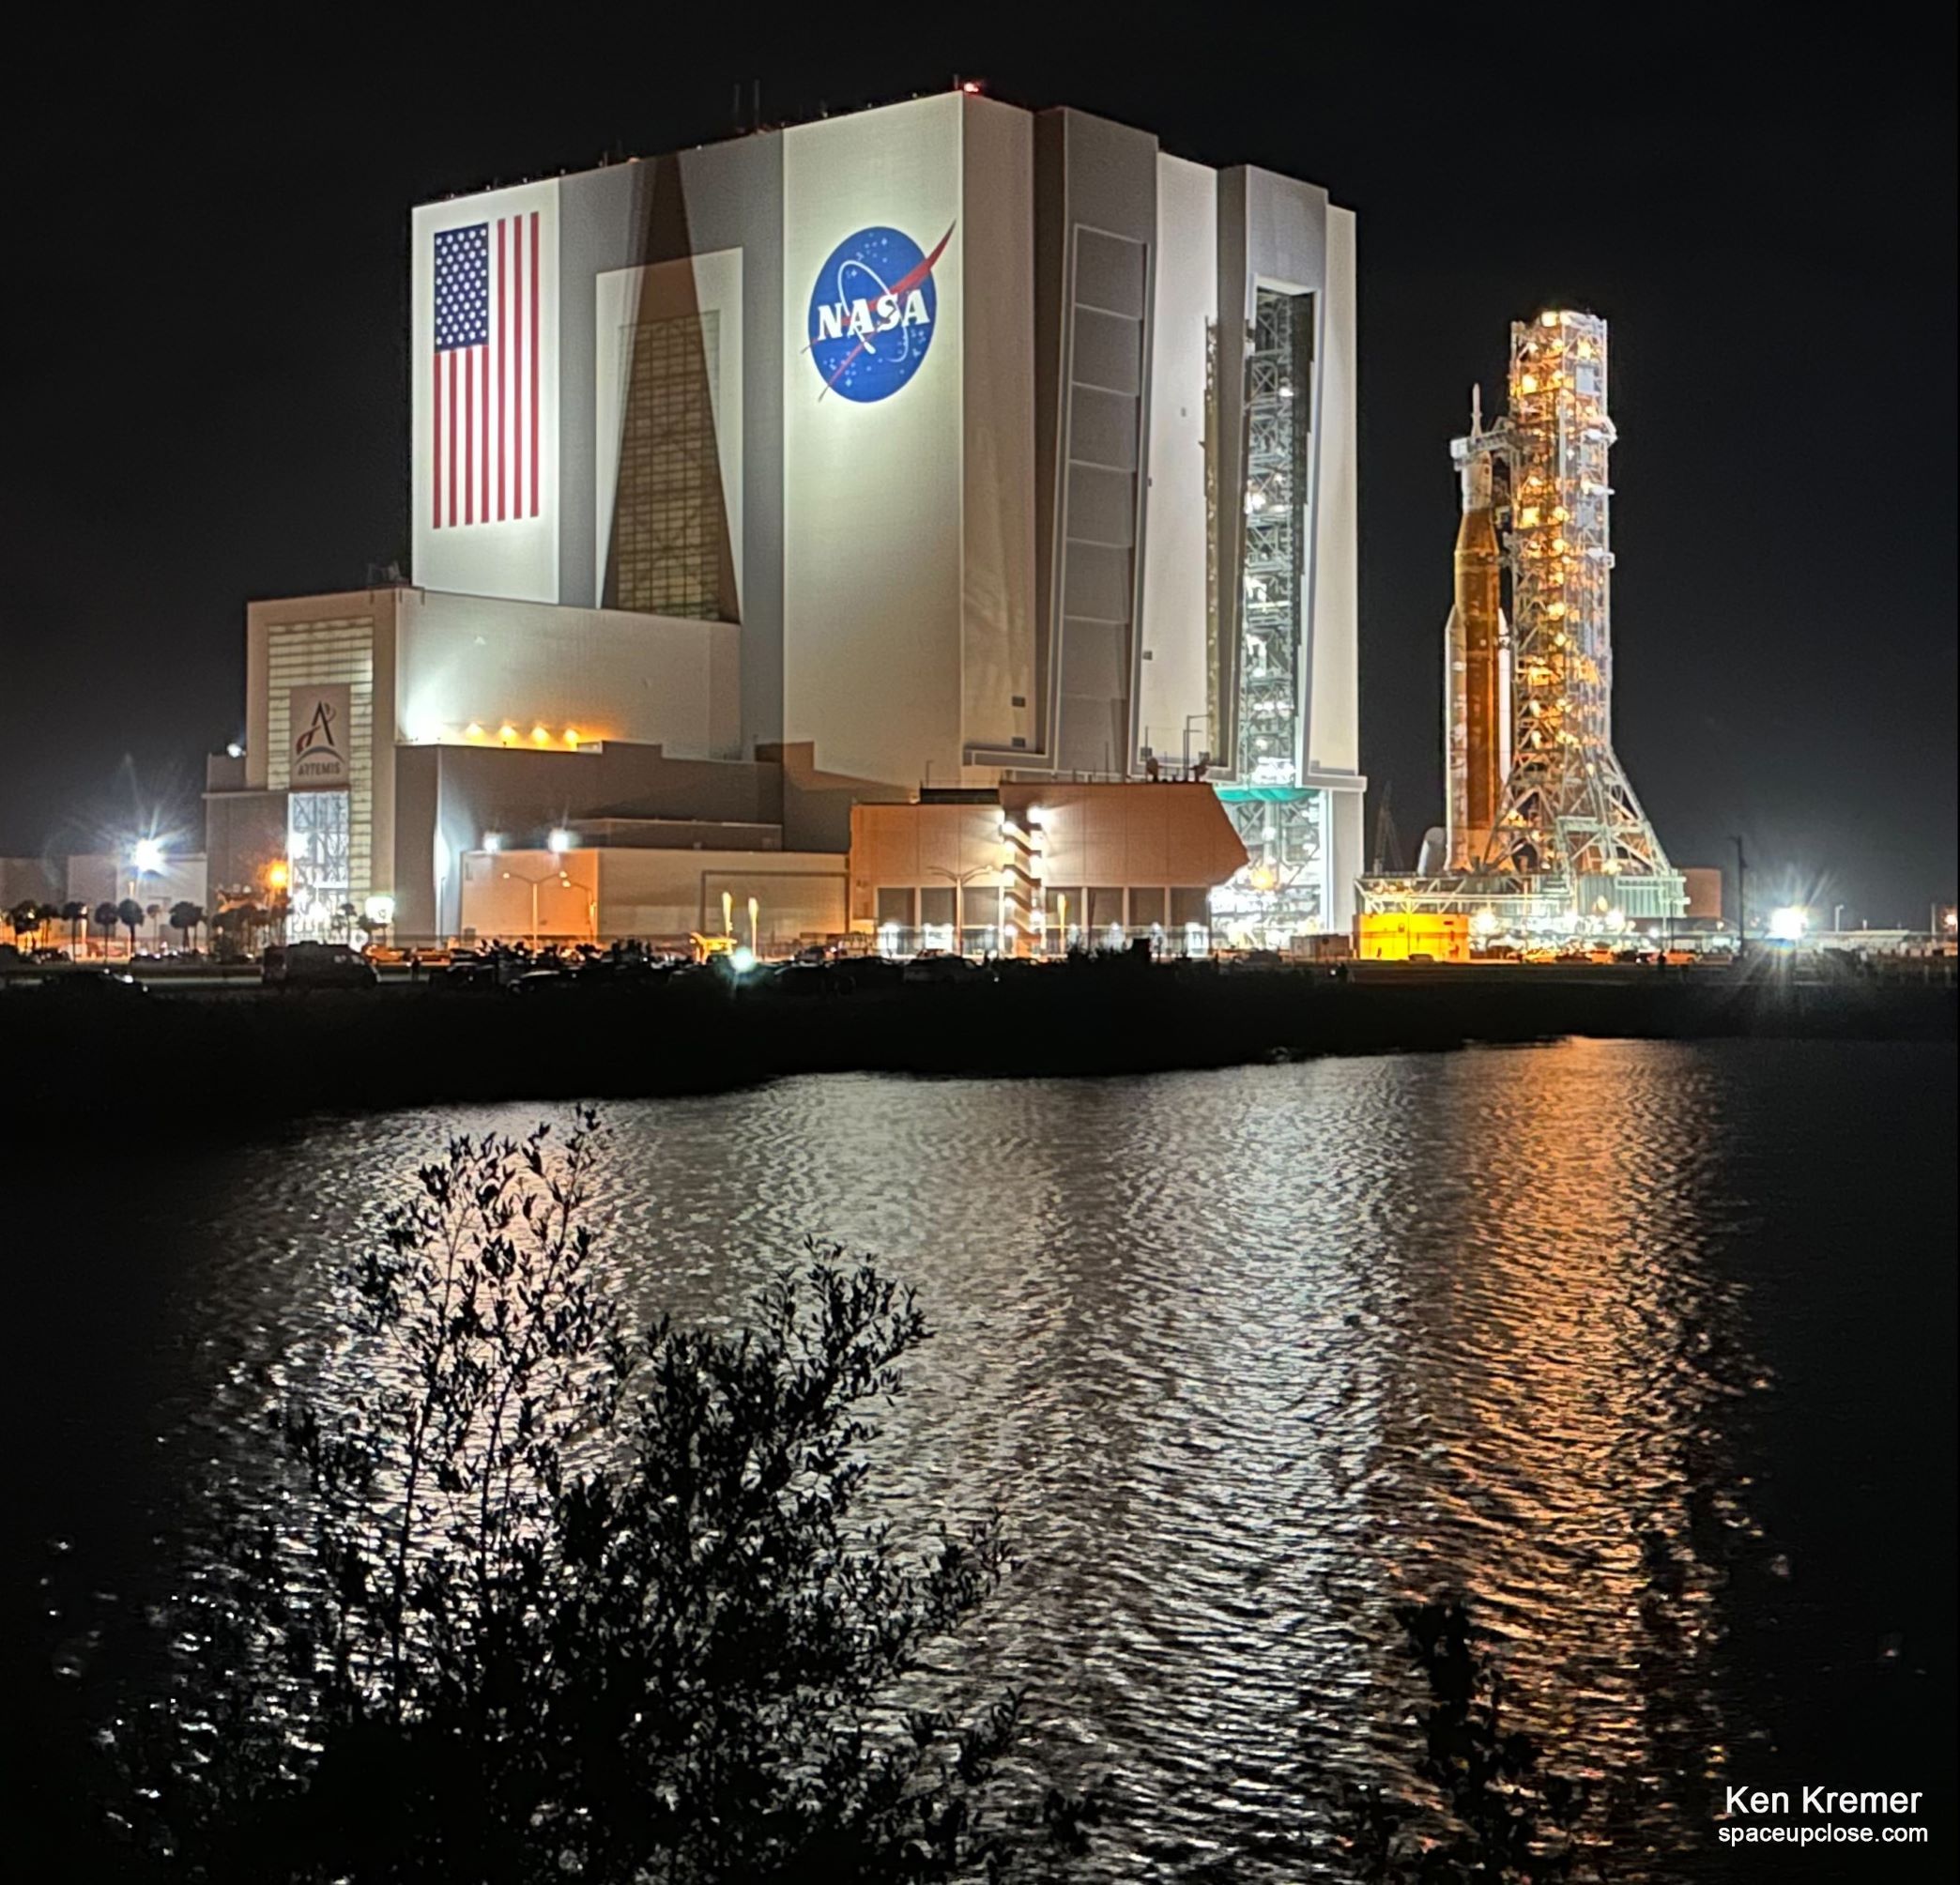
{"x": 1544, "y": 830}
{"x": 940, "y": 447}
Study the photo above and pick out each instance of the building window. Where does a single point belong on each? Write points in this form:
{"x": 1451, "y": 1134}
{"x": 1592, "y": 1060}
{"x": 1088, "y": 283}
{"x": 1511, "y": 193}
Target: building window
{"x": 319, "y": 849}
{"x": 318, "y": 654}
{"x": 1279, "y": 441}
{"x": 669, "y": 543}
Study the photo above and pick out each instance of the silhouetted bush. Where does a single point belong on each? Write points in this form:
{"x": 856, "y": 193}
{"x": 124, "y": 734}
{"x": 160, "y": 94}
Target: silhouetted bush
{"x": 539, "y": 1600}
{"x": 1495, "y": 1817}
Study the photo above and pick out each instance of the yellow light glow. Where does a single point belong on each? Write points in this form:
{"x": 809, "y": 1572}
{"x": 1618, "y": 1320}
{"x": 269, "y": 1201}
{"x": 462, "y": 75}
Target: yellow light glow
{"x": 572, "y": 738}
{"x": 507, "y": 734}
{"x": 540, "y": 737}
{"x": 277, "y": 875}
{"x": 472, "y": 731}
{"x": 1527, "y": 382}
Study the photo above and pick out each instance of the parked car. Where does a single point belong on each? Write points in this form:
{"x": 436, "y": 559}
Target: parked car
{"x": 94, "y": 985}
{"x": 316, "y": 965}
{"x": 941, "y": 969}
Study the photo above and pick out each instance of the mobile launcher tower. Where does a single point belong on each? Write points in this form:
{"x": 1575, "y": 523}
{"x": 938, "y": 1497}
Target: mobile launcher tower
{"x": 1545, "y": 835}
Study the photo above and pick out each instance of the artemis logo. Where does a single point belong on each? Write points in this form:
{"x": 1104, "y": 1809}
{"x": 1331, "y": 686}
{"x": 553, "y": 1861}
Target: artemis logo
{"x": 318, "y": 717}
{"x": 319, "y": 731}
{"x": 872, "y": 312}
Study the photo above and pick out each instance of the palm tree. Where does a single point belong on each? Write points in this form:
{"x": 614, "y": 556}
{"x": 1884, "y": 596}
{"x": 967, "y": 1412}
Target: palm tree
{"x": 154, "y": 912}
{"x": 26, "y": 917}
{"x": 129, "y": 912}
{"x": 184, "y": 918}
{"x": 106, "y": 919}
{"x": 74, "y": 913}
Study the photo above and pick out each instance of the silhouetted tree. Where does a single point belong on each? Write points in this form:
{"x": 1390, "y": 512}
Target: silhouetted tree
{"x": 26, "y": 919}
{"x": 74, "y": 913}
{"x": 106, "y": 918}
{"x": 184, "y": 917}
{"x": 1497, "y": 1817}
{"x": 129, "y": 912}
{"x": 575, "y": 1605}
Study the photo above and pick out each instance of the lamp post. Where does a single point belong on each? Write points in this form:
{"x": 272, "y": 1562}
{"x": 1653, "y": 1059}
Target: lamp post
{"x": 535, "y": 882}
{"x": 960, "y": 879}
{"x": 755, "y": 911}
{"x": 279, "y": 879}
{"x": 1741, "y": 897}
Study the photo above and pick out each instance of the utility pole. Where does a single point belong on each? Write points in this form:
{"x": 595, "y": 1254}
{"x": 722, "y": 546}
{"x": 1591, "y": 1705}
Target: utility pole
{"x": 1742, "y": 895}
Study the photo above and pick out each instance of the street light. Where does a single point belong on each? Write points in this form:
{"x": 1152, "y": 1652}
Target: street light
{"x": 543, "y": 878}
{"x": 755, "y": 911}
{"x": 960, "y": 879}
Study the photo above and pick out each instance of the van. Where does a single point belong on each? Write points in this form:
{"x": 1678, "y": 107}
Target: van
{"x": 316, "y": 965}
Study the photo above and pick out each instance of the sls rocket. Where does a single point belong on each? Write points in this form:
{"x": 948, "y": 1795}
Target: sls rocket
{"x": 1476, "y": 664}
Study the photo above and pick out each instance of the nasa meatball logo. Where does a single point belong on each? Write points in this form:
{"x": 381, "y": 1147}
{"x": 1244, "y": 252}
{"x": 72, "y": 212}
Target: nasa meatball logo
{"x": 873, "y": 309}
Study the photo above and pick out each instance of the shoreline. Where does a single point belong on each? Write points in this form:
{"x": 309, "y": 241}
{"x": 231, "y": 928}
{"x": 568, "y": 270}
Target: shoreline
{"x": 248, "y": 1058}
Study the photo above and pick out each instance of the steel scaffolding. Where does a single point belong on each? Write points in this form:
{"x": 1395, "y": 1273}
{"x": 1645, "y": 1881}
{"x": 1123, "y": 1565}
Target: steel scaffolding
{"x": 1281, "y": 892}
{"x": 1571, "y": 843}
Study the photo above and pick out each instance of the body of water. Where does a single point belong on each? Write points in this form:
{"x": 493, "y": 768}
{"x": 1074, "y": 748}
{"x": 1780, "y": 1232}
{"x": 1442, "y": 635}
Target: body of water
{"x": 1647, "y": 1347}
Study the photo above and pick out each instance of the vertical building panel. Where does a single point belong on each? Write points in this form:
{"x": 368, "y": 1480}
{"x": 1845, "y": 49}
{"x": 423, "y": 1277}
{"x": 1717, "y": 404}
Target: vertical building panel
{"x": 1175, "y": 691}
{"x": 691, "y": 219}
{"x": 871, "y": 484}
{"x": 484, "y": 496}
{"x": 1334, "y": 741}
{"x": 998, "y": 442}
{"x": 1097, "y": 232}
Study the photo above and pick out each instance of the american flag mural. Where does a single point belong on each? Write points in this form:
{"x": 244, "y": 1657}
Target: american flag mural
{"x": 485, "y": 461}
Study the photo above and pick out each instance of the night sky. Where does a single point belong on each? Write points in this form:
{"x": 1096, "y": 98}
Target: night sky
{"x": 205, "y": 380}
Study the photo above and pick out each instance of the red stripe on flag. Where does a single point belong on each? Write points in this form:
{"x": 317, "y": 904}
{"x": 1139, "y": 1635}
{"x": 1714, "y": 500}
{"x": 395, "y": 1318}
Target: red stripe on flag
{"x": 468, "y": 435}
{"x": 483, "y": 373}
{"x": 436, "y": 480}
{"x": 534, "y": 363}
{"x": 497, "y": 348}
{"x": 453, "y": 439}
{"x": 516, "y": 375}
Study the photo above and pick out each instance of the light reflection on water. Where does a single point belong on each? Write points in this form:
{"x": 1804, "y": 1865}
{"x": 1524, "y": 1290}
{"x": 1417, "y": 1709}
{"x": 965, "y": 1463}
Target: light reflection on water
{"x": 1245, "y": 1356}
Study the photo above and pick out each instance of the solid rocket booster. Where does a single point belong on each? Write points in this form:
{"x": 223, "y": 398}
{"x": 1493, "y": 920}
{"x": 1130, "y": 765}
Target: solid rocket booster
{"x": 1476, "y": 704}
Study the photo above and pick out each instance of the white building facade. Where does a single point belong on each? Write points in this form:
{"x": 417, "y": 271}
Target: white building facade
{"x": 962, "y": 444}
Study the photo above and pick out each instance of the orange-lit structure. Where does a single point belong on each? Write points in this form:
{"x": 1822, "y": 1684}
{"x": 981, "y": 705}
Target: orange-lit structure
{"x": 1477, "y": 679}
{"x": 1566, "y": 845}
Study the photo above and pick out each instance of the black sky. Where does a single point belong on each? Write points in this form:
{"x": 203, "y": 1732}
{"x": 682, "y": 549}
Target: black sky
{"x": 205, "y": 373}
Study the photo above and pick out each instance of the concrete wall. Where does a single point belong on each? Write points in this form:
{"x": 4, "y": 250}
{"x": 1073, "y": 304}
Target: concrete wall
{"x": 654, "y": 895}
{"x": 516, "y": 553}
{"x": 871, "y": 488}
{"x": 244, "y": 834}
{"x": 451, "y": 797}
{"x": 1146, "y": 835}
{"x": 41, "y": 879}
{"x": 95, "y": 877}
{"x": 607, "y": 674}
{"x": 1176, "y": 688}
{"x": 1107, "y": 834}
